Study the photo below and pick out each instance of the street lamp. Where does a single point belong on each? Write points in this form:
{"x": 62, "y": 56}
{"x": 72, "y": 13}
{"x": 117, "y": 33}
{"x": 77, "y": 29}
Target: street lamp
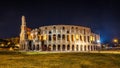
{"x": 115, "y": 41}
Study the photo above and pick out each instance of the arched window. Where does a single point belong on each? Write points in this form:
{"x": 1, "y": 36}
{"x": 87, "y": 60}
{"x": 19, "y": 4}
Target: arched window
{"x": 37, "y": 47}
{"x": 58, "y": 47}
{"x": 45, "y": 28}
{"x": 76, "y": 28}
{"x": 59, "y": 36}
{"x": 84, "y": 47}
{"x": 63, "y": 47}
{"x": 81, "y": 47}
{"x": 77, "y": 47}
{"x": 68, "y": 32}
{"x": 63, "y": 28}
{"x": 72, "y": 37}
{"x": 54, "y": 37}
{"x": 68, "y": 47}
{"x": 54, "y": 47}
{"x": 63, "y": 37}
{"x": 72, "y": 28}
{"x": 84, "y": 38}
{"x": 50, "y": 32}
{"x": 72, "y": 47}
{"x": 80, "y": 38}
{"x": 54, "y": 27}
{"x": 49, "y": 47}
{"x": 49, "y": 37}
{"x": 68, "y": 38}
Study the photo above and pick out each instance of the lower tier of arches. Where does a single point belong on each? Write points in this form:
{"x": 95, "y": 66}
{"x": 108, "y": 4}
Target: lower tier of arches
{"x": 60, "y": 47}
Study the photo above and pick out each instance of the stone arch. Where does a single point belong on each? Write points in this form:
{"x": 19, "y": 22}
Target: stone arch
{"x": 63, "y": 28}
{"x": 49, "y": 47}
{"x": 30, "y": 45}
{"x": 37, "y": 47}
{"x": 68, "y": 47}
{"x": 63, "y": 48}
{"x": 81, "y": 48}
{"x": 59, "y": 36}
{"x": 54, "y": 47}
{"x": 54, "y": 37}
{"x": 77, "y": 47}
{"x": 54, "y": 27}
{"x": 33, "y": 47}
{"x": 84, "y": 47}
{"x": 58, "y": 47}
{"x": 72, "y": 47}
{"x": 50, "y": 38}
{"x": 63, "y": 36}
{"x": 91, "y": 48}
{"x": 44, "y": 47}
{"x": 88, "y": 47}
{"x": 50, "y": 32}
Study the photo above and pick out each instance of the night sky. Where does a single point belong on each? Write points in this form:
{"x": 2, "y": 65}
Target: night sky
{"x": 102, "y": 16}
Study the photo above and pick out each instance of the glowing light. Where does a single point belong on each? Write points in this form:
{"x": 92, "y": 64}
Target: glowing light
{"x": 77, "y": 37}
{"x": 91, "y": 39}
{"x": 98, "y": 41}
{"x": 45, "y": 37}
{"x": 115, "y": 40}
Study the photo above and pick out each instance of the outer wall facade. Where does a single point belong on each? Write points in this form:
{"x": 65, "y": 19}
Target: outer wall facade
{"x": 59, "y": 38}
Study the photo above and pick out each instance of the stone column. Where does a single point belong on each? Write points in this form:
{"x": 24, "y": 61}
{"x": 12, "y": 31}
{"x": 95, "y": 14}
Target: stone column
{"x": 60, "y": 47}
{"x": 79, "y": 47}
{"x": 56, "y": 47}
{"x": 74, "y": 47}
{"x": 92, "y": 47}
{"x": 70, "y": 47}
{"x": 26, "y": 45}
{"x": 51, "y": 47}
{"x": 65, "y": 47}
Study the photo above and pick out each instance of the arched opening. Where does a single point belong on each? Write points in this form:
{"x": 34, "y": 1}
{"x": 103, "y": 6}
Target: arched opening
{"x": 50, "y": 32}
{"x": 81, "y": 48}
{"x": 72, "y": 37}
{"x": 68, "y": 47}
{"x": 63, "y": 37}
{"x": 37, "y": 47}
{"x": 49, "y": 47}
{"x": 54, "y": 27}
{"x": 68, "y": 37}
{"x": 85, "y": 48}
{"x": 49, "y": 37}
{"x": 54, "y": 37}
{"x": 58, "y": 47}
{"x": 72, "y": 47}
{"x": 88, "y": 47}
{"x": 59, "y": 36}
{"x": 30, "y": 45}
{"x": 91, "y": 48}
{"x": 63, "y": 28}
{"x": 33, "y": 47}
{"x": 44, "y": 47}
{"x": 80, "y": 38}
{"x": 76, "y": 47}
{"x": 54, "y": 47}
{"x": 63, "y": 47}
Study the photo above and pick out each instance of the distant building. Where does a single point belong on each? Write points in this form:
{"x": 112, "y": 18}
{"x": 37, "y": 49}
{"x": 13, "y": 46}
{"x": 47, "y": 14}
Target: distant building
{"x": 58, "y": 38}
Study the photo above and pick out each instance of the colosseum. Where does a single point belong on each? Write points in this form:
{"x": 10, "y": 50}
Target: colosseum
{"x": 58, "y": 38}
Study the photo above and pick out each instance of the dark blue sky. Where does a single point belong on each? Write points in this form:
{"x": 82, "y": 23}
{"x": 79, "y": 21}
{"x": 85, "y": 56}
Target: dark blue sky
{"x": 103, "y": 16}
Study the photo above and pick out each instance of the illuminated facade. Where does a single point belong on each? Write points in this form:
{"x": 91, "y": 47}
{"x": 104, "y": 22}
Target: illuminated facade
{"x": 58, "y": 38}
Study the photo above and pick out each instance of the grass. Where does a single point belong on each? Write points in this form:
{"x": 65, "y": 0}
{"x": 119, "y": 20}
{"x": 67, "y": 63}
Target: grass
{"x": 58, "y": 60}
